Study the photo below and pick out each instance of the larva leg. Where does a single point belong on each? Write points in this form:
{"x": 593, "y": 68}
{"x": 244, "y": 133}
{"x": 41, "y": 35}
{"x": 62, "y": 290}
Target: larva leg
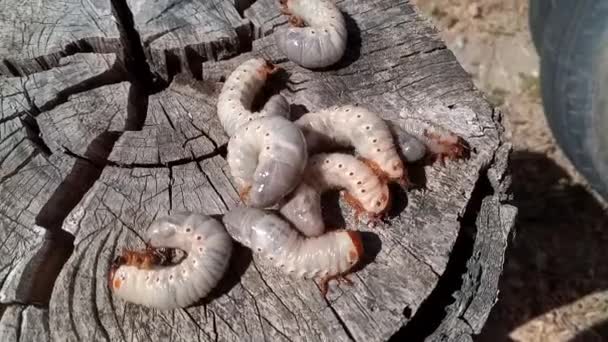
{"x": 447, "y": 146}
{"x": 296, "y": 21}
{"x": 269, "y": 69}
{"x": 284, "y": 8}
{"x": 244, "y": 193}
{"x": 383, "y": 177}
{"x": 354, "y": 203}
{"x": 439, "y": 142}
{"x": 372, "y": 220}
{"x": 142, "y": 260}
{"x": 340, "y": 278}
{"x": 162, "y": 256}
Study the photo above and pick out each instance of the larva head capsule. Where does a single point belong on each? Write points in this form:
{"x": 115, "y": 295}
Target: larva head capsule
{"x": 355, "y": 251}
{"x": 118, "y": 261}
{"x": 270, "y": 68}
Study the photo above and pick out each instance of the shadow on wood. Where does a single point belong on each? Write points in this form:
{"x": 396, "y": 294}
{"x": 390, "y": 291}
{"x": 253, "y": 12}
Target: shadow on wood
{"x": 331, "y": 211}
{"x": 353, "y": 45}
{"x": 560, "y": 243}
{"x": 598, "y": 332}
{"x": 372, "y": 245}
{"x": 239, "y": 262}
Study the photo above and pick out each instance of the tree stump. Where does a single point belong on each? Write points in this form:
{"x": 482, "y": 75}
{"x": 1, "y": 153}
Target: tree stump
{"x": 108, "y": 121}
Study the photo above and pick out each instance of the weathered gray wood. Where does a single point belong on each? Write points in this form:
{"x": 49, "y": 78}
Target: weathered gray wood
{"x": 24, "y": 323}
{"x": 182, "y": 34}
{"x": 181, "y": 126}
{"x": 116, "y": 152}
{"x": 35, "y": 35}
{"x": 30, "y": 178}
{"x": 466, "y": 318}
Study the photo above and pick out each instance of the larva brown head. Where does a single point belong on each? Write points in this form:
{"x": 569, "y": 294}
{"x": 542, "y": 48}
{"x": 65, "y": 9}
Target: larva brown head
{"x": 244, "y": 193}
{"x": 269, "y": 69}
{"x": 448, "y": 145}
{"x": 461, "y": 149}
{"x": 356, "y": 252}
{"x": 398, "y": 171}
{"x": 119, "y": 261}
{"x": 384, "y": 203}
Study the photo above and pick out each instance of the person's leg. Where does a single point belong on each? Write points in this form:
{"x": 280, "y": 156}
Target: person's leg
{"x": 572, "y": 42}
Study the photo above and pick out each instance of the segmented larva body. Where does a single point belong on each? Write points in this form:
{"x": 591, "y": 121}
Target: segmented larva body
{"x": 275, "y": 106}
{"x": 423, "y": 136}
{"x": 267, "y": 158}
{"x": 412, "y": 148}
{"x": 303, "y": 209}
{"x": 327, "y": 256}
{"x": 208, "y": 247}
{"x": 359, "y": 127}
{"x": 365, "y": 192}
{"x": 239, "y": 90}
{"x": 320, "y": 44}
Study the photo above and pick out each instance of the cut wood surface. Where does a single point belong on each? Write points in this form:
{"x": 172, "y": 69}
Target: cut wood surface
{"x": 108, "y": 121}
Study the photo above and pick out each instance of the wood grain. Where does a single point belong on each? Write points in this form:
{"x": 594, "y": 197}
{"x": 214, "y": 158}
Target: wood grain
{"x": 98, "y": 141}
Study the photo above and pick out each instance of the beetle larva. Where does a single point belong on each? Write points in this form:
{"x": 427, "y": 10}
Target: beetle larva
{"x": 239, "y": 90}
{"x": 365, "y": 192}
{"x": 320, "y": 44}
{"x": 413, "y": 149}
{"x": 328, "y": 256}
{"x": 361, "y": 128}
{"x": 275, "y": 106}
{"x": 440, "y": 143}
{"x": 141, "y": 281}
{"x": 303, "y": 209}
{"x": 267, "y": 158}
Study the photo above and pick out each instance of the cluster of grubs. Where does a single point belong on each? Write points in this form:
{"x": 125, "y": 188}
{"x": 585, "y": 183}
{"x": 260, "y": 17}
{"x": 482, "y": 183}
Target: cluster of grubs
{"x": 281, "y": 168}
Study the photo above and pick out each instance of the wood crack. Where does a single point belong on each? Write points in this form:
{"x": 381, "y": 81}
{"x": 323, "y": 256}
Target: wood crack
{"x": 93, "y": 298}
{"x": 418, "y": 258}
{"x": 170, "y": 188}
{"x": 189, "y": 315}
{"x": 424, "y": 52}
{"x": 165, "y": 10}
{"x": 25, "y": 67}
{"x": 32, "y": 132}
{"x": 19, "y": 326}
{"x": 132, "y": 53}
{"x": 215, "y": 189}
{"x": 340, "y": 320}
{"x": 425, "y": 321}
{"x": 7, "y": 175}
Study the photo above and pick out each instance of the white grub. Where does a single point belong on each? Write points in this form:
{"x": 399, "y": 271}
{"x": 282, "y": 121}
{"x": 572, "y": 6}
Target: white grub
{"x": 360, "y": 128}
{"x": 439, "y": 142}
{"x": 234, "y": 105}
{"x": 267, "y": 158}
{"x": 208, "y": 248}
{"x": 329, "y": 255}
{"x": 329, "y": 171}
{"x": 322, "y": 42}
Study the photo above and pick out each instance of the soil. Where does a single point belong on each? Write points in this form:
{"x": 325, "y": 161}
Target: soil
{"x": 555, "y": 284}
